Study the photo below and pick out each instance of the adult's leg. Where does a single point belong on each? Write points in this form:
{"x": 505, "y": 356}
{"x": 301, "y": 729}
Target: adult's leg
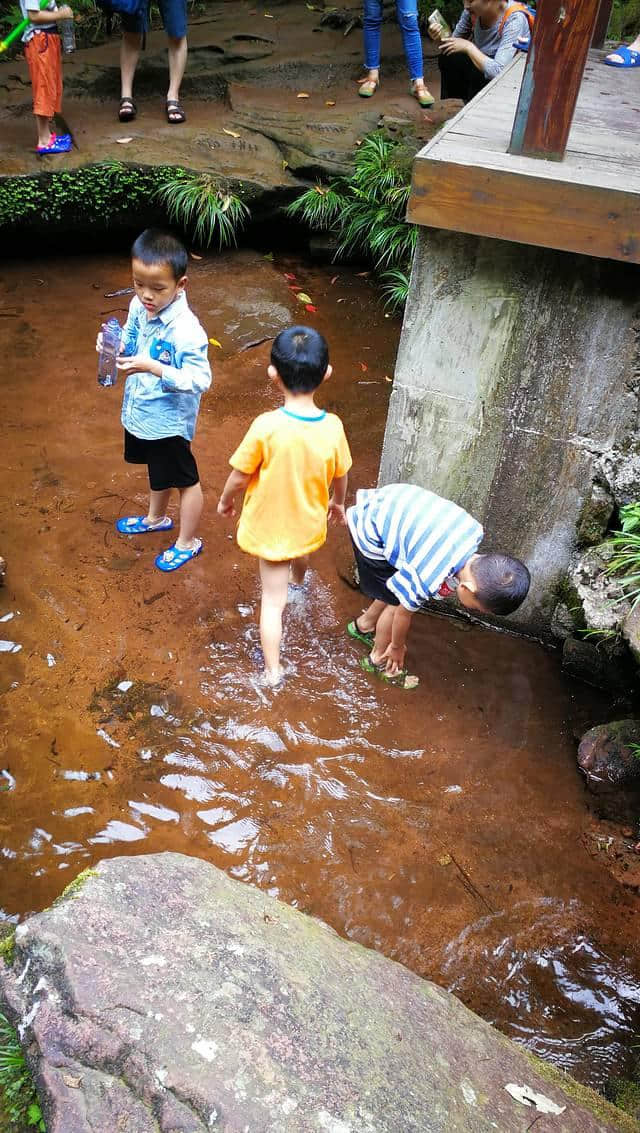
{"x": 407, "y": 13}
{"x": 177, "y": 49}
{"x": 275, "y": 579}
{"x": 460, "y": 78}
{"x": 371, "y": 31}
{"x": 191, "y": 503}
{"x": 130, "y": 45}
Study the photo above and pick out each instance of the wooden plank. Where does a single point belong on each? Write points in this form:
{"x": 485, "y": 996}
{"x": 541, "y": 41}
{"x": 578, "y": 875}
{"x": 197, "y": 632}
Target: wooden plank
{"x": 555, "y": 64}
{"x": 576, "y": 218}
{"x": 602, "y": 23}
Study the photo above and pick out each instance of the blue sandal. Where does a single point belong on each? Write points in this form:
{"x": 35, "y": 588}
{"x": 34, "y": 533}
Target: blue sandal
{"x": 173, "y": 558}
{"x": 135, "y": 525}
{"x": 630, "y": 58}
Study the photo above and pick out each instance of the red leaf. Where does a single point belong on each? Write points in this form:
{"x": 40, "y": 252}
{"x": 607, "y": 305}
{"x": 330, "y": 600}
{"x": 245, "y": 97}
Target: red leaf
{"x": 289, "y": 275}
{"x": 310, "y": 307}
{"x": 363, "y": 366}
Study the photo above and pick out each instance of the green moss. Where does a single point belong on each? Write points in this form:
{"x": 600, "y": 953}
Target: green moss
{"x": 8, "y": 948}
{"x": 583, "y": 1095}
{"x": 74, "y": 886}
{"x": 625, "y": 1094}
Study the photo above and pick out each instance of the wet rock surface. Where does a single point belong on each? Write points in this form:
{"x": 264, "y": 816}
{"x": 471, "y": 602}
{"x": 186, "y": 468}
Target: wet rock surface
{"x": 159, "y": 995}
{"x": 607, "y": 755}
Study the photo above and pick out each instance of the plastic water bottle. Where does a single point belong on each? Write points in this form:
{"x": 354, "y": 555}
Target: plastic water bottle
{"x": 67, "y": 35}
{"x": 111, "y": 339}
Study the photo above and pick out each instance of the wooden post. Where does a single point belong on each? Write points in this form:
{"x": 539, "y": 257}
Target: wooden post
{"x": 561, "y": 36}
{"x": 602, "y": 23}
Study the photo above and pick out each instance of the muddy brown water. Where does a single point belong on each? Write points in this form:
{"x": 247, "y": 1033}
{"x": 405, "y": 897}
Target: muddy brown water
{"x": 444, "y": 827}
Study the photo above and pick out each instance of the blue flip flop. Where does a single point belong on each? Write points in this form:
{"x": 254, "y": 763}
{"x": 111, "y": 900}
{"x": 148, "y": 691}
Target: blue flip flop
{"x": 173, "y": 558}
{"x": 135, "y": 525}
{"x": 631, "y": 58}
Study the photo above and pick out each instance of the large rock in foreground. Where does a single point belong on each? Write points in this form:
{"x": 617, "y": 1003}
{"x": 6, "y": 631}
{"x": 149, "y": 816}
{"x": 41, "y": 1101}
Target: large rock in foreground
{"x": 161, "y": 996}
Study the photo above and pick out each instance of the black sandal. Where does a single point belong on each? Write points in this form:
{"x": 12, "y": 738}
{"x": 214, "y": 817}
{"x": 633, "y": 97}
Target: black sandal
{"x": 175, "y": 113}
{"x": 127, "y": 111}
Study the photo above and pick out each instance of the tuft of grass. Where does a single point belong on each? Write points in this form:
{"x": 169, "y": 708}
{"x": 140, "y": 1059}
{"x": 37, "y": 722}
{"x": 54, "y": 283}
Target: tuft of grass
{"x": 18, "y": 1097}
{"x": 624, "y": 564}
{"x": 366, "y": 211}
{"x": 203, "y": 208}
{"x": 8, "y": 948}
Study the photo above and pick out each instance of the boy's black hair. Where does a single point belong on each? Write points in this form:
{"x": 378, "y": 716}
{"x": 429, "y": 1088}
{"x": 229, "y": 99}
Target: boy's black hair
{"x": 156, "y": 247}
{"x": 301, "y": 356}
{"x": 502, "y": 583}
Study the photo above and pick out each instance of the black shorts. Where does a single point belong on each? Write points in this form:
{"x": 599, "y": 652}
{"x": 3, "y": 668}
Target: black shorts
{"x": 373, "y": 574}
{"x": 170, "y": 461}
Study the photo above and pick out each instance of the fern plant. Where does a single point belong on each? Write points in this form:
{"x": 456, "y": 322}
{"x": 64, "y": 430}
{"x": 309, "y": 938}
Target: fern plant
{"x": 18, "y": 1096}
{"x": 365, "y": 212}
{"x": 201, "y": 207}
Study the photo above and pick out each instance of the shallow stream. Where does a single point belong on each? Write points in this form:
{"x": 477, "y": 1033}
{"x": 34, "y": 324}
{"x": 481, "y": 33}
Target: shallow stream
{"x": 445, "y": 827}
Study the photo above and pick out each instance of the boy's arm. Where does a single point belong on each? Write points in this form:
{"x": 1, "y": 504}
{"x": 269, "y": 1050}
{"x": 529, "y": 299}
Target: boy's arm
{"x": 336, "y": 503}
{"x": 236, "y": 482}
{"x": 192, "y": 374}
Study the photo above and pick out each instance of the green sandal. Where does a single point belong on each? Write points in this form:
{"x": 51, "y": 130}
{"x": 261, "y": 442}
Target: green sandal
{"x": 365, "y": 636}
{"x": 403, "y": 679}
{"x": 371, "y": 84}
{"x": 424, "y": 96}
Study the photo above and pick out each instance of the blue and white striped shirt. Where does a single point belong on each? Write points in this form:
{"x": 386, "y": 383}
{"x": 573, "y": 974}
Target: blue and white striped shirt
{"x": 424, "y": 536}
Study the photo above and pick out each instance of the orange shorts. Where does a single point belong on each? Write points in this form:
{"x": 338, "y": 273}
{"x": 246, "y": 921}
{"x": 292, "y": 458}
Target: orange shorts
{"x": 44, "y": 58}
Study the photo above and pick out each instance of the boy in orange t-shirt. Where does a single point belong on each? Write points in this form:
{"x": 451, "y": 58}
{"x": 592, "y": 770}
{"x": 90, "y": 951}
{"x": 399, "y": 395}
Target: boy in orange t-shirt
{"x": 286, "y": 465}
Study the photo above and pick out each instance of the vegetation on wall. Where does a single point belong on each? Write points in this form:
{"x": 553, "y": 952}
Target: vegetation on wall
{"x": 19, "y": 1106}
{"x": 625, "y": 19}
{"x": 203, "y": 209}
{"x": 365, "y": 211}
{"x": 623, "y": 553}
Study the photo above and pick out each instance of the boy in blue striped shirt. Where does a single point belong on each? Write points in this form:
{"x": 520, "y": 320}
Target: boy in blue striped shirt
{"x": 411, "y": 545}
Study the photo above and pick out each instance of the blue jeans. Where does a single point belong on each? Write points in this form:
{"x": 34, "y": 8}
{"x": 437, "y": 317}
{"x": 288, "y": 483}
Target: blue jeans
{"x": 407, "y": 13}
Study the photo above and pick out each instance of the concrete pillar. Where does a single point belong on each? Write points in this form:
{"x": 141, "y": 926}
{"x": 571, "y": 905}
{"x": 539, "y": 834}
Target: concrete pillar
{"x": 517, "y": 368}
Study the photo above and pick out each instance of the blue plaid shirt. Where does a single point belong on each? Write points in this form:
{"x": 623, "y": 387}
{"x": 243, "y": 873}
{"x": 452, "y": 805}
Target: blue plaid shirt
{"x": 168, "y": 406}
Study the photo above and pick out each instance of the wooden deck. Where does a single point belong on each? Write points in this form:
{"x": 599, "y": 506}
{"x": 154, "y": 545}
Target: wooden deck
{"x": 466, "y": 181}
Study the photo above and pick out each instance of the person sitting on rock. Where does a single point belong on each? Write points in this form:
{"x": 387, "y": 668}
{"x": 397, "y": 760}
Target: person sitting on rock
{"x": 174, "y": 21}
{"x": 411, "y": 545}
{"x": 483, "y": 41}
{"x": 407, "y": 12}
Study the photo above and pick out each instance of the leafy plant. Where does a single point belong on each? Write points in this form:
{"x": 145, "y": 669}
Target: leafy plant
{"x": 630, "y": 518}
{"x": 198, "y": 204}
{"x": 17, "y": 1091}
{"x": 365, "y": 211}
{"x": 624, "y": 563}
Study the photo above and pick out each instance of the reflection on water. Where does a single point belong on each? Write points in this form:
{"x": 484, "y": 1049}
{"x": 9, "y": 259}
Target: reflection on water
{"x": 442, "y": 827}
{"x": 558, "y": 993}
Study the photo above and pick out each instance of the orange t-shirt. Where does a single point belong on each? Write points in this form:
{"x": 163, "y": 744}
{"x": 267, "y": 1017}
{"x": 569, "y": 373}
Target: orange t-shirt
{"x": 292, "y": 461}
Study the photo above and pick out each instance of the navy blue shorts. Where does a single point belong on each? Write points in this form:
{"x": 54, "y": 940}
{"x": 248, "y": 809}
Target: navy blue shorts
{"x": 174, "y": 19}
{"x": 373, "y": 575}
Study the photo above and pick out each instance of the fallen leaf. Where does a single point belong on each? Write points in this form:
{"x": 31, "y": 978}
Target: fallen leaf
{"x": 303, "y": 94}
{"x": 341, "y": 300}
{"x": 310, "y": 307}
{"x": 231, "y": 133}
{"x": 214, "y": 342}
{"x": 69, "y": 1080}
{"x": 334, "y": 278}
{"x": 387, "y": 378}
{"x": 268, "y": 16}
{"x": 446, "y": 859}
{"x": 363, "y": 366}
{"x": 268, "y": 256}
{"x": 285, "y": 164}
{"x": 364, "y": 274}
{"x": 195, "y": 256}
{"x": 123, "y": 141}
{"x": 330, "y": 102}
{"x": 289, "y": 275}
{"x": 527, "y": 1096}
{"x": 303, "y": 297}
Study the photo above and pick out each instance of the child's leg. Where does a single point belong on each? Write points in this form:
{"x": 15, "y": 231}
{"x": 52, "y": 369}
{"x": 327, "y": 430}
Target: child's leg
{"x": 275, "y": 580}
{"x": 43, "y": 128}
{"x": 299, "y": 568}
{"x": 191, "y": 503}
{"x": 368, "y": 620}
{"x": 157, "y": 506}
{"x": 383, "y": 633}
